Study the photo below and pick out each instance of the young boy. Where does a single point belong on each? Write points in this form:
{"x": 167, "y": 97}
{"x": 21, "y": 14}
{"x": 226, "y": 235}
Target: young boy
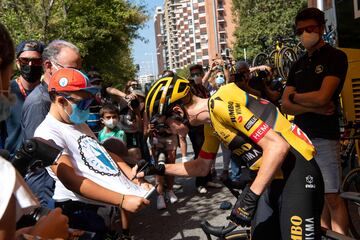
{"x": 87, "y": 177}
{"x": 109, "y": 116}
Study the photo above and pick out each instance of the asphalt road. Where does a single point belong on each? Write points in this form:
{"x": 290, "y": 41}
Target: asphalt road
{"x": 182, "y": 220}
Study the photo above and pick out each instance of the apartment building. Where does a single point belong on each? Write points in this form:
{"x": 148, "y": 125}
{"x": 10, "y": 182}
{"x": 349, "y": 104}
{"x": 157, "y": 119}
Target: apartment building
{"x": 192, "y": 31}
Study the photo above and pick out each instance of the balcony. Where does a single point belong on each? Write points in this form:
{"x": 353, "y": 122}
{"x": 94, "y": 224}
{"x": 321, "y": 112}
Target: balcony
{"x": 220, "y": 7}
{"x": 222, "y": 40}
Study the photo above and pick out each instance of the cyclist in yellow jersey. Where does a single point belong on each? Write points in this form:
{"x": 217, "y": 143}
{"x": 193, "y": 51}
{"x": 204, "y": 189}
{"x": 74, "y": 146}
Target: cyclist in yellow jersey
{"x": 285, "y": 199}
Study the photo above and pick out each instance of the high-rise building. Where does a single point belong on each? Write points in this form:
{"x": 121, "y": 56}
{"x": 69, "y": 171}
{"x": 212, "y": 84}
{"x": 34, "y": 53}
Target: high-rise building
{"x": 192, "y": 31}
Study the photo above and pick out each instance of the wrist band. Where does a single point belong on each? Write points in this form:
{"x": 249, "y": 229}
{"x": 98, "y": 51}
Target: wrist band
{"x": 122, "y": 201}
{"x": 291, "y": 98}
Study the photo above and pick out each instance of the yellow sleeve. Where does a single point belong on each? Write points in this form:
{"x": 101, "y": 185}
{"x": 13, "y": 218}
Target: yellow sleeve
{"x": 211, "y": 144}
{"x": 232, "y": 117}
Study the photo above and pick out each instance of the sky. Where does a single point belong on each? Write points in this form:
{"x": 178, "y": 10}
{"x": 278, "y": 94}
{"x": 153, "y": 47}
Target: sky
{"x": 143, "y": 53}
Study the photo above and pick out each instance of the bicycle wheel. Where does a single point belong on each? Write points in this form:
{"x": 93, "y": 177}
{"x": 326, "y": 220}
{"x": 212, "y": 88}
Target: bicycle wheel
{"x": 287, "y": 58}
{"x": 260, "y": 59}
{"x": 351, "y": 183}
{"x": 273, "y": 56}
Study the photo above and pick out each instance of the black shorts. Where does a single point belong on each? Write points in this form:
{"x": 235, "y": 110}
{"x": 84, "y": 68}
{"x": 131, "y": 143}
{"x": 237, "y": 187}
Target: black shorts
{"x": 291, "y": 208}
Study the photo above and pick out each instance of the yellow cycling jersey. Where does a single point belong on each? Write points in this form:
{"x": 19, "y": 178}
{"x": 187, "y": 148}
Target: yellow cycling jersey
{"x": 240, "y": 120}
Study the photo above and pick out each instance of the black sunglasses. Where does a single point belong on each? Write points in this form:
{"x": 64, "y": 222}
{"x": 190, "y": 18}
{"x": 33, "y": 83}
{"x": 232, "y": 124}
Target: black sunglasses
{"x": 34, "y": 61}
{"x": 308, "y": 29}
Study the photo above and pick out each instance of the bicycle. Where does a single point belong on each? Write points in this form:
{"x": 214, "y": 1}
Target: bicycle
{"x": 231, "y": 232}
{"x": 281, "y": 57}
{"x": 351, "y": 182}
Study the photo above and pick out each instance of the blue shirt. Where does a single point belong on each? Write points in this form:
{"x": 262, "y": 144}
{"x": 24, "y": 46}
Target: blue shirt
{"x": 13, "y": 123}
{"x": 35, "y": 109}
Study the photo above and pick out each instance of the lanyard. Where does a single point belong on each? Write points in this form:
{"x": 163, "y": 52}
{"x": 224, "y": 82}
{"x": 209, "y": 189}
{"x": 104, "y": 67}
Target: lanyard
{"x": 21, "y": 87}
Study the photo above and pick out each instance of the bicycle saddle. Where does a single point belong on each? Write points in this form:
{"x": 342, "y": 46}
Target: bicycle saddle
{"x": 217, "y": 231}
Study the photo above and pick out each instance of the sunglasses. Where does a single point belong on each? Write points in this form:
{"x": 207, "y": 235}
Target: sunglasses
{"x": 220, "y": 75}
{"x": 34, "y": 61}
{"x": 308, "y": 29}
{"x": 82, "y": 104}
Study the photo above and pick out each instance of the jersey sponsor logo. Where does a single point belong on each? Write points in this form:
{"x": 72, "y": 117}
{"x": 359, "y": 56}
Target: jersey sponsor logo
{"x": 260, "y": 132}
{"x": 96, "y": 157}
{"x": 309, "y": 229}
{"x": 234, "y": 110}
{"x": 251, "y": 122}
{"x": 319, "y": 69}
{"x": 247, "y": 154}
{"x": 239, "y": 119}
{"x": 224, "y": 135}
{"x": 299, "y": 133}
{"x": 296, "y": 229}
{"x": 309, "y": 182}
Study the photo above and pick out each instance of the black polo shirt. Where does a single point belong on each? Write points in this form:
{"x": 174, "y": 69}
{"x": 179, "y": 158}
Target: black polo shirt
{"x": 307, "y": 75}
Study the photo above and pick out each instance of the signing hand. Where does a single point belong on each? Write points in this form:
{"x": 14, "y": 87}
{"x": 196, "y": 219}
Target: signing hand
{"x": 133, "y": 203}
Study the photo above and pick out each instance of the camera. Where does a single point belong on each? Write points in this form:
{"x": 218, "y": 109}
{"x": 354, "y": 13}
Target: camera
{"x": 35, "y": 152}
{"x": 133, "y": 103}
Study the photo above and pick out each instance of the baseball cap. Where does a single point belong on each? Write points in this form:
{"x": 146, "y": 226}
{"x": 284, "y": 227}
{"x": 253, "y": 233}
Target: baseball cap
{"x": 71, "y": 80}
{"x": 29, "y": 45}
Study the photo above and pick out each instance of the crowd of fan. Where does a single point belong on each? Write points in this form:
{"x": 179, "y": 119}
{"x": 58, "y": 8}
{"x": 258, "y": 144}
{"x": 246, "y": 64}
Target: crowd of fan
{"x": 116, "y": 114}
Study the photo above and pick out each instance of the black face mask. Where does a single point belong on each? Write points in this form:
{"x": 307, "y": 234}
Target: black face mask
{"x": 31, "y": 73}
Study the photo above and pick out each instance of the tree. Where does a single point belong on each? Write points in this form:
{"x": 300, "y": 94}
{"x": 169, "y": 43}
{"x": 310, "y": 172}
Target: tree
{"x": 102, "y": 30}
{"x": 257, "y": 18}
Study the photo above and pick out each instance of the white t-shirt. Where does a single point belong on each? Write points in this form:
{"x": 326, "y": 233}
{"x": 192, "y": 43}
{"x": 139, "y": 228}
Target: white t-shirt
{"x": 12, "y": 184}
{"x": 89, "y": 159}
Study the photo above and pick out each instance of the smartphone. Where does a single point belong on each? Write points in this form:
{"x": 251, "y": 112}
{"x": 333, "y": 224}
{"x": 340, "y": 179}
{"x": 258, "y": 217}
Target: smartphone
{"x": 150, "y": 192}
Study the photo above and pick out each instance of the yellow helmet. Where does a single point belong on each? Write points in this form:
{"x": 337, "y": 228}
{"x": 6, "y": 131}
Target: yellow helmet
{"x": 165, "y": 92}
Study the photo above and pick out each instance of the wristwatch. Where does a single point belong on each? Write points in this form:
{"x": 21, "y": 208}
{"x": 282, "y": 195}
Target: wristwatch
{"x": 291, "y": 98}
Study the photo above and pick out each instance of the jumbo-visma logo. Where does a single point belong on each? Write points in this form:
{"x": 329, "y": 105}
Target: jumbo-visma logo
{"x": 96, "y": 156}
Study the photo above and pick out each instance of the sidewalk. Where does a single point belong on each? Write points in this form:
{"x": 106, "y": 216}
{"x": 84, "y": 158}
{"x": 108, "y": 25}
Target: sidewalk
{"x": 182, "y": 219}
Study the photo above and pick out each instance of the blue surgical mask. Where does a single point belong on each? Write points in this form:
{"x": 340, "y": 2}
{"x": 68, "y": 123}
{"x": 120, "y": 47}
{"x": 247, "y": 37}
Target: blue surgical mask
{"x": 77, "y": 115}
{"x": 219, "y": 81}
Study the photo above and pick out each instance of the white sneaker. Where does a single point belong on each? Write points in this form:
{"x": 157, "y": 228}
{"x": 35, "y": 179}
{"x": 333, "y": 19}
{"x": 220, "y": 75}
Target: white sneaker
{"x": 202, "y": 190}
{"x": 173, "y": 198}
{"x": 160, "y": 204}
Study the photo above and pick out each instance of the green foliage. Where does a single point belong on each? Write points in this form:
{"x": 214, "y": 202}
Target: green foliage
{"x": 258, "y": 18}
{"x": 103, "y": 30}
{"x": 183, "y": 72}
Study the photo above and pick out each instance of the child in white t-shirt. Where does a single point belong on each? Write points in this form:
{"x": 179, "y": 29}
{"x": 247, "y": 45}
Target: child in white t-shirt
{"x": 86, "y": 176}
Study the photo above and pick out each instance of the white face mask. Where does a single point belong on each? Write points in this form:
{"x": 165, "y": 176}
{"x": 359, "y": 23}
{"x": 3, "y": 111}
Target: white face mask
{"x": 308, "y": 40}
{"x": 110, "y": 123}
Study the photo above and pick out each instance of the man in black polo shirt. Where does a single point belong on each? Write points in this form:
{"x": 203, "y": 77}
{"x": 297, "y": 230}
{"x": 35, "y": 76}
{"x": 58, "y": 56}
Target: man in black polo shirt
{"x": 312, "y": 95}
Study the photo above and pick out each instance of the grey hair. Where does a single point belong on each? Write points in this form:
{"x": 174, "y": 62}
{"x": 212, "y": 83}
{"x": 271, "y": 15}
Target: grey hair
{"x": 54, "y": 48}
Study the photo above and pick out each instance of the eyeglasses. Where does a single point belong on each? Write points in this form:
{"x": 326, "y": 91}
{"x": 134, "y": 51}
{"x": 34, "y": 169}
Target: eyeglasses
{"x": 82, "y": 104}
{"x": 34, "y": 61}
{"x": 308, "y": 29}
{"x": 220, "y": 75}
{"x": 62, "y": 66}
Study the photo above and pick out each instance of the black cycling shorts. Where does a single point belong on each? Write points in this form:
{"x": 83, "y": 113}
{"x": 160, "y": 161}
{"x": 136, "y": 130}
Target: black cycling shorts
{"x": 291, "y": 208}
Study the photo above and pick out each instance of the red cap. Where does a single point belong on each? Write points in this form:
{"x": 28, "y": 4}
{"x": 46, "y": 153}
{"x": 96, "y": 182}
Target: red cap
{"x": 70, "y": 80}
